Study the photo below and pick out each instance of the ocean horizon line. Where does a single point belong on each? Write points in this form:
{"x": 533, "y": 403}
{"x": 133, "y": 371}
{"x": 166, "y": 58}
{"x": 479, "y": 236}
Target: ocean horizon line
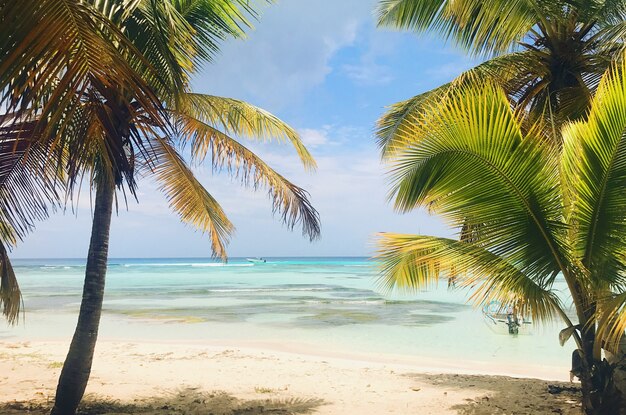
{"x": 201, "y": 257}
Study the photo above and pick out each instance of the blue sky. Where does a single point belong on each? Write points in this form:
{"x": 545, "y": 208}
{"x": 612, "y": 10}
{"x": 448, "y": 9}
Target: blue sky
{"x": 324, "y": 68}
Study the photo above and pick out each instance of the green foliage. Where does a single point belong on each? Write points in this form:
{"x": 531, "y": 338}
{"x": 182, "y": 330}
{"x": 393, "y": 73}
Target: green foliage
{"x": 541, "y": 210}
{"x": 99, "y": 90}
{"x": 548, "y": 56}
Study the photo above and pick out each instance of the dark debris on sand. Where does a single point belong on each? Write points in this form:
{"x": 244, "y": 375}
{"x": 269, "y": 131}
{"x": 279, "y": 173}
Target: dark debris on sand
{"x": 511, "y": 396}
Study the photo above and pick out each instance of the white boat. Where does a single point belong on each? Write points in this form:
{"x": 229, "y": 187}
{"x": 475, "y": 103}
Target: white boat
{"x": 256, "y": 260}
{"x": 502, "y": 320}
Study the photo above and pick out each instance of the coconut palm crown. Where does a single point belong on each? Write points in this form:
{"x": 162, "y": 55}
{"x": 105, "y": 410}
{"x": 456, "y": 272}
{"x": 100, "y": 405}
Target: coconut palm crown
{"x": 547, "y": 55}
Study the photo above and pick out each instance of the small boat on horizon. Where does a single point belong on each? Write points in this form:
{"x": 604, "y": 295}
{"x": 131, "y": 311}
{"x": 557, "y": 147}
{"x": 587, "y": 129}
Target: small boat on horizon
{"x": 256, "y": 260}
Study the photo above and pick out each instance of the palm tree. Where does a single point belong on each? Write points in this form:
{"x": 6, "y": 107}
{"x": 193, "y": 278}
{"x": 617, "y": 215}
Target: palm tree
{"x": 545, "y": 212}
{"x": 52, "y": 51}
{"x": 132, "y": 113}
{"x": 547, "y": 55}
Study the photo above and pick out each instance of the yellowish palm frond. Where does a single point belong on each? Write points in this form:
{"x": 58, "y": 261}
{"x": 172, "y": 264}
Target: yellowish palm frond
{"x": 10, "y": 294}
{"x": 187, "y": 197}
{"x": 512, "y": 72}
{"x": 482, "y": 27}
{"x": 611, "y": 318}
{"x": 241, "y": 119}
{"x": 416, "y": 262}
{"x": 56, "y": 50}
{"x": 289, "y": 200}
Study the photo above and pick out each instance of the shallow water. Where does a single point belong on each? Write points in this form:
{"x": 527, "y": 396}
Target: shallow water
{"x": 334, "y": 302}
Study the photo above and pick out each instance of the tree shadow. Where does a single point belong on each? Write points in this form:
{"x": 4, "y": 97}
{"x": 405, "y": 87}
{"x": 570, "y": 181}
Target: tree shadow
{"x": 511, "y": 396}
{"x": 189, "y": 401}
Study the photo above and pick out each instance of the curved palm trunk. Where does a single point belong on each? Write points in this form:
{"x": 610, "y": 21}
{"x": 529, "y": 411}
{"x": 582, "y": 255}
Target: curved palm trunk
{"x": 77, "y": 366}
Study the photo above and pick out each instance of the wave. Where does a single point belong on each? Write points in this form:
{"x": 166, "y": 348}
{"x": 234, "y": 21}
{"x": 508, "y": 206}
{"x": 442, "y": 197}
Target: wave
{"x": 61, "y": 266}
{"x": 271, "y": 289}
{"x": 187, "y": 264}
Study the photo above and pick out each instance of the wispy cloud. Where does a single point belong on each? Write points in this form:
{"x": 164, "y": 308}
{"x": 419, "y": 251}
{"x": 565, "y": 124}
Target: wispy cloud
{"x": 369, "y": 73}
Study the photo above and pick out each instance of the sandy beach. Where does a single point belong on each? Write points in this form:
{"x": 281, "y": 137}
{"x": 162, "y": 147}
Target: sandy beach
{"x": 163, "y": 378}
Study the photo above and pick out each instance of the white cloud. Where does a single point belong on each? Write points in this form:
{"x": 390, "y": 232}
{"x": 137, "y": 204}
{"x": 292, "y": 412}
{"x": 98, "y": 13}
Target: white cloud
{"x": 313, "y": 138}
{"x": 287, "y": 54}
{"x": 369, "y": 73}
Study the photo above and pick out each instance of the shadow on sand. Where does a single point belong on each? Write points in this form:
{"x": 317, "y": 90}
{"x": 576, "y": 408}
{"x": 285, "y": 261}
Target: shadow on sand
{"x": 184, "y": 402}
{"x": 511, "y": 396}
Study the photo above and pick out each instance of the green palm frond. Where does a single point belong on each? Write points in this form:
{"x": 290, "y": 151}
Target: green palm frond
{"x": 187, "y": 197}
{"x": 501, "y": 70}
{"x": 485, "y": 27}
{"x": 213, "y": 21}
{"x": 177, "y": 37}
{"x": 410, "y": 112}
{"x": 289, "y": 200}
{"x": 165, "y": 39}
{"x": 475, "y": 166}
{"x": 241, "y": 119}
{"x": 594, "y": 162}
{"x": 416, "y": 262}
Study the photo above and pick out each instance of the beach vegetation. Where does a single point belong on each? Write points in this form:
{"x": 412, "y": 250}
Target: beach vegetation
{"x": 548, "y": 56}
{"x": 544, "y": 64}
{"x": 544, "y": 211}
{"x": 102, "y": 90}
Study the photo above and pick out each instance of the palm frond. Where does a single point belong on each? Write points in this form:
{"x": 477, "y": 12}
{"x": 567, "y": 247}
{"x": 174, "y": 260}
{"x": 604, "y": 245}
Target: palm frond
{"x": 475, "y": 166}
{"x": 611, "y": 318}
{"x": 289, "y": 200}
{"x": 241, "y": 119}
{"x": 501, "y": 70}
{"x": 594, "y": 162}
{"x": 29, "y": 177}
{"x": 187, "y": 197}
{"x": 389, "y": 127}
{"x": 54, "y": 50}
{"x": 10, "y": 295}
{"x": 213, "y": 21}
{"x": 416, "y": 262}
{"x": 487, "y": 27}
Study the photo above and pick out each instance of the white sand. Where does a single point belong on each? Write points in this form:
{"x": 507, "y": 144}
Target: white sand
{"x": 356, "y": 384}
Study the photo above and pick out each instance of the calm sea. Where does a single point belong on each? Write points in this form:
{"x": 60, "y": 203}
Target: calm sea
{"x": 335, "y": 303}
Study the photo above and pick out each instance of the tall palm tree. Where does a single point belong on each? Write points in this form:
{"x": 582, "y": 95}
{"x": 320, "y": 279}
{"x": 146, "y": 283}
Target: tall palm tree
{"x": 545, "y": 212}
{"x": 547, "y": 55}
{"x": 131, "y": 113}
{"x": 51, "y": 52}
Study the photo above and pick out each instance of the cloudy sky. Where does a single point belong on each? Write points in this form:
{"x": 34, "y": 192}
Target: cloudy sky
{"x": 323, "y": 67}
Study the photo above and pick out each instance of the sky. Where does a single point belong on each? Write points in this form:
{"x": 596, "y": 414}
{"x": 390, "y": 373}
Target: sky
{"x": 324, "y": 68}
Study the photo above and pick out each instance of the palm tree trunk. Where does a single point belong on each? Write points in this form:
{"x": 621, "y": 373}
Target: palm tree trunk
{"x": 77, "y": 366}
{"x": 603, "y": 381}
{"x": 618, "y": 361}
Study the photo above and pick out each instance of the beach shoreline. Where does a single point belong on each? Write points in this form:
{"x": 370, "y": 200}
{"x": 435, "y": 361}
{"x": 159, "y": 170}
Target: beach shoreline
{"x": 138, "y": 370}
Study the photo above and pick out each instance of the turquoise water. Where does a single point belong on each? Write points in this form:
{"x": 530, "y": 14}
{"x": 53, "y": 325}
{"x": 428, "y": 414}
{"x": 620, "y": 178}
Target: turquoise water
{"x": 330, "y": 302}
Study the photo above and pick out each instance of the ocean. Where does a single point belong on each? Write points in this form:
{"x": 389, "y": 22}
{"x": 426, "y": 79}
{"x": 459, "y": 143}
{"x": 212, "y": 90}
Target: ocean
{"x": 325, "y": 303}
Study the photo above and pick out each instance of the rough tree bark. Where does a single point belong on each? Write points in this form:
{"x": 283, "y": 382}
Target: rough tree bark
{"x": 77, "y": 366}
